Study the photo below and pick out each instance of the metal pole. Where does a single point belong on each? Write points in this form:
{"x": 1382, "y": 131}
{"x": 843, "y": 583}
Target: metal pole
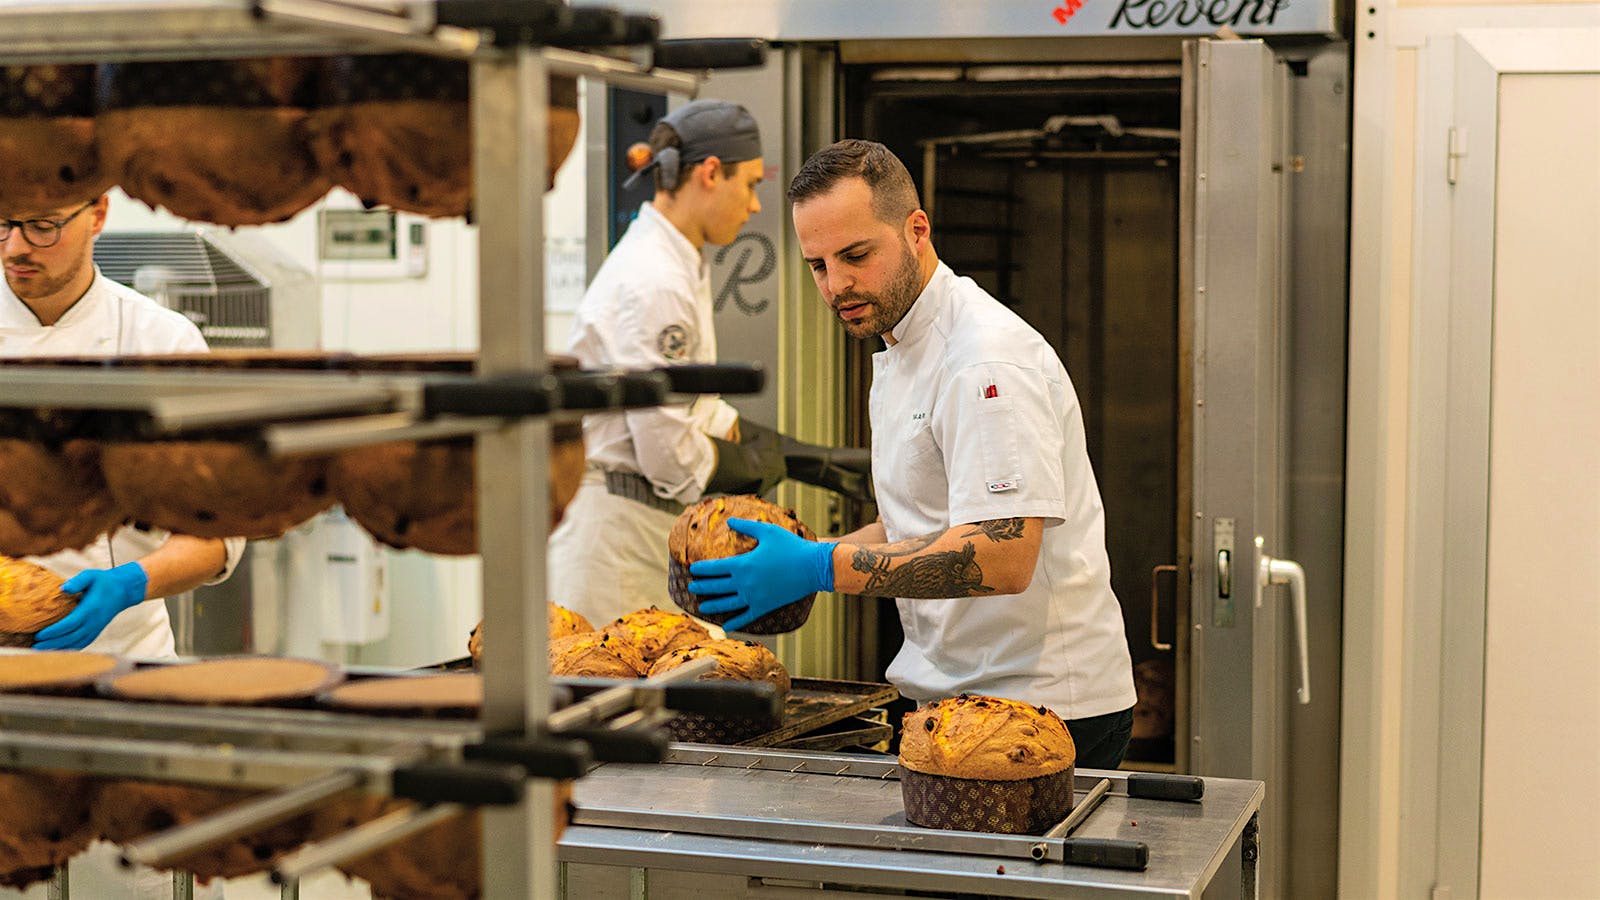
{"x": 509, "y": 98}
{"x": 182, "y": 886}
{"x": 59, "y": 887}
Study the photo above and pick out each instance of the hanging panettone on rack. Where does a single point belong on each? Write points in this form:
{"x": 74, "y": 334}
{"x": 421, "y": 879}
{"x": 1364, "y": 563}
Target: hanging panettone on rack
{"x": 214, "y": 488}
{"x": 52, "y": 496}
{"x": 219, "y": 141}
{"x": 47, "y": 139}
{"x": 396, "y": 130}
{"x": 45, "y": 819}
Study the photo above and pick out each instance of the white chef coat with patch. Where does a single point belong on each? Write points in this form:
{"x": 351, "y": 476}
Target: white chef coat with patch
{"x": 974, "y": 418}
{"x": 110, "y": 320}
{"x": 648, "y": 306}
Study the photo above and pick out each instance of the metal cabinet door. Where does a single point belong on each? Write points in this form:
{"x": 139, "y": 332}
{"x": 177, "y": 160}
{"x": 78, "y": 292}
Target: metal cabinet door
{"x": 1247, "y": 650}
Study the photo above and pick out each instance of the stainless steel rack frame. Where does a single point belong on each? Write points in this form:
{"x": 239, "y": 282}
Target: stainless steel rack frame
{"x": 508, "y": 99}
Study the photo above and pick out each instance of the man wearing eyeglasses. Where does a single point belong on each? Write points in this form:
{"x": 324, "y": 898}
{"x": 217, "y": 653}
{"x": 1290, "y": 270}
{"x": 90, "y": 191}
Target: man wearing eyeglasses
{"x": 57, "y": 303}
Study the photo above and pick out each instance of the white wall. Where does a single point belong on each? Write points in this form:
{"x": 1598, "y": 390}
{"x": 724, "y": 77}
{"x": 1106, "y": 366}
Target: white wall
{"x": 1421, "y": 813}
{"x": 1541, "y": 717}
{"x": 434, "y": 601}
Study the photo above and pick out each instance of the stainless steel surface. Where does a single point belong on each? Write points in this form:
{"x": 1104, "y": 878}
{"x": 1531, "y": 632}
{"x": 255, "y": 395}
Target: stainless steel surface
{"x": 330, "y": 435}
{"x": 826, "y": 20}
{"x": 804, "y": 796}
{"x": 623, "y": 73}
{"x": 361, "y": 840}
{"x": 68, "y": 31}
{"x": 177, "y": 400}
{"x": 1081, "y": 811}
{"x": 243, "y": 818}
{"x": 1240, "y": 662}
{"x": 509, "y": 97}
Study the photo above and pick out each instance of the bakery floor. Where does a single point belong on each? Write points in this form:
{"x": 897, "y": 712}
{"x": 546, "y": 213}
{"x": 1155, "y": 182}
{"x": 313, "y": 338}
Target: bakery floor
{"x": 94, "y": 875}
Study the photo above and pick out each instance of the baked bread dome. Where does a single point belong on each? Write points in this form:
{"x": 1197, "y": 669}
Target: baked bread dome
{"x": 30, "y": 599}
{"x": 52, "y": 497}
{"x": 701, "y": 532}
{"x": 44, "y": 820}
{"x": 214, "y": 489}
{"x": 219, "y": 141}
{"x": 657, "y": 632}
{"x": 976, "y": 763}
{"x": 595, "y": 654}
{"x": 562, "y": 623}
{"x": 47, "y": 145}
{"x": 736, "y": 661}
{"x": 127, "y": 810}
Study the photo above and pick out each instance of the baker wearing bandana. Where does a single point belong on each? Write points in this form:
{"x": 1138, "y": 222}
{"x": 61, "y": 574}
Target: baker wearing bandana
{"x": 650, "y": 305}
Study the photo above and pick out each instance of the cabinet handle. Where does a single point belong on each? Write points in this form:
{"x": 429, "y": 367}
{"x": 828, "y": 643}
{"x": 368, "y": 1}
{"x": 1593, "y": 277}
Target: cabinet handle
{"x": 1155, "y": 606}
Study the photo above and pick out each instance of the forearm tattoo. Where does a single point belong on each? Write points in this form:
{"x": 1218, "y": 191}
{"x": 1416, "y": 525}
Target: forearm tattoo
{"x": 948, "y": 573}
{"x": 998, "y": 529}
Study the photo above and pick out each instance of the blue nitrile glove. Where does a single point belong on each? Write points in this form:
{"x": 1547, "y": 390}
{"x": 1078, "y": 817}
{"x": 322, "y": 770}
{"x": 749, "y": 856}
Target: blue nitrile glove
{"x": 105, "y": 592}
{"x": 783, "y": 568}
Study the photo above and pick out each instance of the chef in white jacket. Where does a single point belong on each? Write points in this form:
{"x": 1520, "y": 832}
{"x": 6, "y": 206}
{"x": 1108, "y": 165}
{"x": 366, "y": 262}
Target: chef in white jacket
{"x": 57, "y": 303}
{"x": 648, "y": 306}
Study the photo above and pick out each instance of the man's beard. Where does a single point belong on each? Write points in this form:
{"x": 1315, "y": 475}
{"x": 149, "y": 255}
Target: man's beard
{"x": 888, "y": 306}
{"x": 45, "y": 284}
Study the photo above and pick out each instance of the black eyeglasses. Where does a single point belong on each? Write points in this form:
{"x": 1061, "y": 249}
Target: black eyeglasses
{"x": 40, "y": 233}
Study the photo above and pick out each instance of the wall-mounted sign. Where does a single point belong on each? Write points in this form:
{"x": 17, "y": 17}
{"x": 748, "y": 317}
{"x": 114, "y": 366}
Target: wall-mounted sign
{"x": 840, "y": 20}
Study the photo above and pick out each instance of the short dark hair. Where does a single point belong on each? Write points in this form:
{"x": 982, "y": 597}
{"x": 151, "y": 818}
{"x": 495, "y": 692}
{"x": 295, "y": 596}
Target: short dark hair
{"x": 894, "y": 196}
{"x": 663, "y": 136}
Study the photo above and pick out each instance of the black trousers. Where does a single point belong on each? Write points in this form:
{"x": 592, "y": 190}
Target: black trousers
{"x": 1101, "y": 741}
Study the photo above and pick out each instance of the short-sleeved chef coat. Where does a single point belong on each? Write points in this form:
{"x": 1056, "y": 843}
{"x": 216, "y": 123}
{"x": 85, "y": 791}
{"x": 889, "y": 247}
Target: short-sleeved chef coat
{"x": 110, "y": 320}
{"x": 974, "y": 418}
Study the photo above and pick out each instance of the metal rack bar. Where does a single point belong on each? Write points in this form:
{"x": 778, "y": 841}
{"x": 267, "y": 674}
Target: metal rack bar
{"x": 509, "y": 96}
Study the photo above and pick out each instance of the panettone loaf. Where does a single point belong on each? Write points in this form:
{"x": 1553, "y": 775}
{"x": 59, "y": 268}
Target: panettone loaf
{"x": 657, "y": 632}
{"x": 595, "y": 654}
{"x": 736, "y": 661}
{"x": 30, "y": 599}
{"x": 214, "y": 489}
{"x": 701, "y": 532}
{"x": 53, "y": 671}
{"x": 562, "y": 623}
{"x": 985, "y": 738}
{"x": 52, "y": 497}
{"x": 44, "y": 820}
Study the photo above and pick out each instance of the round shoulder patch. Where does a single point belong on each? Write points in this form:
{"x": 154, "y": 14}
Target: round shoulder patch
{"x": 673, "y": 342}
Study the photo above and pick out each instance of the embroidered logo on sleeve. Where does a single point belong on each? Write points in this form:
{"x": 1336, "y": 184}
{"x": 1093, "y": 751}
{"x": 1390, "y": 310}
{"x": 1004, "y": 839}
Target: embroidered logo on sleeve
{"x": 1000, "y": 487}
{"x": 673, "y": 342}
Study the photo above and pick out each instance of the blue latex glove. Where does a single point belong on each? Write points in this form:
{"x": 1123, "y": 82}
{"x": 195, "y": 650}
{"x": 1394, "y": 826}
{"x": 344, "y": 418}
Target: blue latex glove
{"x": 783, "y": 568}
{"x": 104, "y": 593}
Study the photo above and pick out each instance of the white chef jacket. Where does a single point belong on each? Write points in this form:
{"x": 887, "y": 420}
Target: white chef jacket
{"x": 974, "y": 418}
{"x": 648, "y": 306}
{"x": 110, "y": 320}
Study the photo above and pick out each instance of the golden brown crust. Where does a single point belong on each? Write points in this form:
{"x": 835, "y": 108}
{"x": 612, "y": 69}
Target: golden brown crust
{"x": 125, "y": 811}
{"x": 242, "y": 680}
{"x": 48, "y": 669}
{"x": 51, "y": 161}
{"x": 736, "y": 661}
{"x": 228, "y": 165}
{"x": 701, "y": 531}
{"x": 657, "y": 632}
{"x": 985, "y": 738}
{"x": 595, "y": 654}
{"x": 214, "y": 489}
{"x": 52, "y": 499}
{"x": 44, "y": 820}
{"x": 30, "y": 599}
{"x": 564, "y": 622}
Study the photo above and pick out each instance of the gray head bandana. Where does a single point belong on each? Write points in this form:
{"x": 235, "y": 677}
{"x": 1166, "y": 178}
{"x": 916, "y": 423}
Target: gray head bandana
{"x": 706, "y": 128}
